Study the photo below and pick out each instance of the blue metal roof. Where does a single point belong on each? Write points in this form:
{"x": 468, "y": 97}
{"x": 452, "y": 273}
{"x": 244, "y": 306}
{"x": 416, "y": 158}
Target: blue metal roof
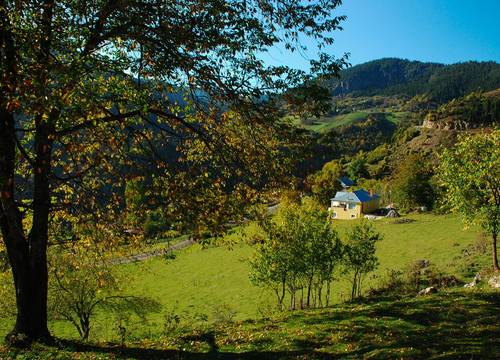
{"x": 358, "y": 196}
{"x": 346, "y": 182}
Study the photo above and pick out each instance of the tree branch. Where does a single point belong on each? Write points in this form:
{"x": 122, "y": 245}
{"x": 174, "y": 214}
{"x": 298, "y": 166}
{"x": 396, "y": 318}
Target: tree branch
{"x": 90, "y": 123}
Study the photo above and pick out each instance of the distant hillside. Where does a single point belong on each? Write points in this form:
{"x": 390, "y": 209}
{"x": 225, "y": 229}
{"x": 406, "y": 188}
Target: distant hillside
{"x": 393, "y": 76}
{"x": 468, "y": 112}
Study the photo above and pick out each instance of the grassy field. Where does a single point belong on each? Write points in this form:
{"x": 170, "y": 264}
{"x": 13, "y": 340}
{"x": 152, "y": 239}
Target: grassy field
{"x": 200, "y": 280}
{"x": 200, "y": 283}
{"x": 397, "y": 117}
{"x": 326, "y": 123}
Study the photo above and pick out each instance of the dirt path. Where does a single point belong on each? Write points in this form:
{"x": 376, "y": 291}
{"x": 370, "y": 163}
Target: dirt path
{"x": 154, "y": 253}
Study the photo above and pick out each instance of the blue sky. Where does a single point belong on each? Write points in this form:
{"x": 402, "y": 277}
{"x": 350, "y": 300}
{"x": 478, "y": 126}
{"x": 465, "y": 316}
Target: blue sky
{"x": 445, "y": 31}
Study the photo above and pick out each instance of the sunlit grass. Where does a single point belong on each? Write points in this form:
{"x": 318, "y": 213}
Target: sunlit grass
{"x": 448, "y": 325}
{"x": 200, "y": 280}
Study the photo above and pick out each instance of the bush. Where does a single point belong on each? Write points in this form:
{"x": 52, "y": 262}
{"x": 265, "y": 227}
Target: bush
{"x": 89, "y": 283}
{"x": 223, "y": 314}
{"x": 171, "y": 321}
{"x": 409, "y": 281}
{"x": 155, "y": 225}
{"x": 392, "y": 284}
{"x": 169, "y": 255}
{"x": 412, "y": 185}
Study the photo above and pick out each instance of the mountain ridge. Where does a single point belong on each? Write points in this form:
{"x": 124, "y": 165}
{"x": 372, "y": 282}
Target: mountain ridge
{"x": 394, "y": 76}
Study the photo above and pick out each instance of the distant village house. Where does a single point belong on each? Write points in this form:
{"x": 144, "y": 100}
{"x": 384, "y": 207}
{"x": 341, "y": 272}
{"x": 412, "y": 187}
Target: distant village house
{"x": 353, "y": 204}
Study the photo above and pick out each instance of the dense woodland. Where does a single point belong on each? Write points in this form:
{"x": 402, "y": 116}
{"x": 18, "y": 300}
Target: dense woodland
{"x": 403, "y": 77}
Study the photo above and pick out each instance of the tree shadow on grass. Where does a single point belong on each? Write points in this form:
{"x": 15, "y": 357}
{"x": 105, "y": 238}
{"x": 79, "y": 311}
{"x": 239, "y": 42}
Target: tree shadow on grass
{"x": 455, "y": 325}
{"x": 146, "y": 354}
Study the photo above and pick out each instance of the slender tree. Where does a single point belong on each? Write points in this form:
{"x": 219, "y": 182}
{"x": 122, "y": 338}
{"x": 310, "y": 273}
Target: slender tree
{"x": 80, "y": 79}
{"x": 470, "y": 176}
{"x": 83, "y": 282}
{"x": 360, "y": 254}
{"x": 300, "y": 253}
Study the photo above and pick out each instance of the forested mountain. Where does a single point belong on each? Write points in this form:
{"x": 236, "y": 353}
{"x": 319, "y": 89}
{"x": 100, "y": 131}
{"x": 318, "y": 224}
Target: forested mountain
{"x": 468, "y": 112}
{"x": 391, "y": 76}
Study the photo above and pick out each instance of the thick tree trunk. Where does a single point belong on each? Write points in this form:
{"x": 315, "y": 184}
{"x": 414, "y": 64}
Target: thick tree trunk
{"x": 495, "y": 257}
{"x": 38, "y": 237}
{"x": 27, "y": 255}
{"x": 31, "y": 297}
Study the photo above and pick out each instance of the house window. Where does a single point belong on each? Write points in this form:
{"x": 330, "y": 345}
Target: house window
{"x": 351, "y": 206}
{"x": 353, "y": 216}
{"x": 334, "y": 215}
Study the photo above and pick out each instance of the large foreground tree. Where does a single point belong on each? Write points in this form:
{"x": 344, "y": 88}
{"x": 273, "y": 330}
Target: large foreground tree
{"x": 470, "y": 176}
{"x": 81, "y": 81}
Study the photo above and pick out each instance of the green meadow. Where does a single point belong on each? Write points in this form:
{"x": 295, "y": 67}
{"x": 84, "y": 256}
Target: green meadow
{"x": 201, "y": 281}
{"x": 326, "y": 123}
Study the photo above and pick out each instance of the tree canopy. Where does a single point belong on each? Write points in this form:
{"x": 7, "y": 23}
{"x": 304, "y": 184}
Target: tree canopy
{"x": 89, "y": 86}
{"x": 470, "y": 175}
{"x": 411, "y": 184}
{"x": 300, "y": 253}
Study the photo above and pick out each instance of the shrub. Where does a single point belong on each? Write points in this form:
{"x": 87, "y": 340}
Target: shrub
{"x": 412, "y": 185}
{"x": 171, "y": 321}
{"x": 83, "y": 282}
{"x": 411, "y": 280}
{"x": 392, "y": 284}
{"x": 360, "y": 258}
{"x": 223, "y": 314}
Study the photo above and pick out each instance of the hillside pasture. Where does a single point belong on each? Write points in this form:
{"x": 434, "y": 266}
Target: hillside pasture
{"x": 209, "y": 283}
{"x": 330, "y": 122}
{"x": 327, "y": 123}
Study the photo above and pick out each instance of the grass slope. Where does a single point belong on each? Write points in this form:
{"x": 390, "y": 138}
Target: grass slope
{"x": 200, "y": 280}
{"x": 449, "y": 325}
{"x": 204, "y": 281}
{"x": 327, "y": 123}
